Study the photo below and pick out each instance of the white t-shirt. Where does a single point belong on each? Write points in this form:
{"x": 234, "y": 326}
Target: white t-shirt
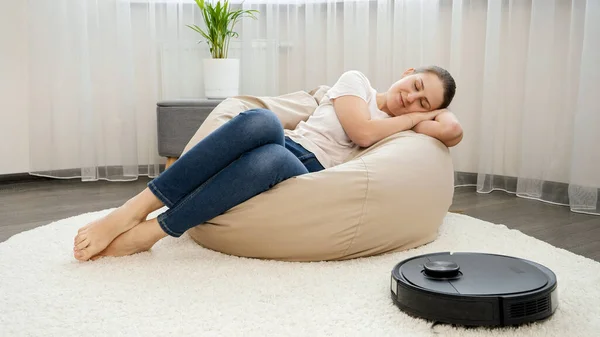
{"x": 323, "y": 134}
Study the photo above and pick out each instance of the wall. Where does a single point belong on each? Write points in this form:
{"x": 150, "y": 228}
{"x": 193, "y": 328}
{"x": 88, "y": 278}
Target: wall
{"x": 14, "y": 129}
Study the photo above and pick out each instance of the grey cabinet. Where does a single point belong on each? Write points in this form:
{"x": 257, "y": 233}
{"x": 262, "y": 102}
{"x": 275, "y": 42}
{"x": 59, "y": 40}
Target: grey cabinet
{"x": 178, "y": 121}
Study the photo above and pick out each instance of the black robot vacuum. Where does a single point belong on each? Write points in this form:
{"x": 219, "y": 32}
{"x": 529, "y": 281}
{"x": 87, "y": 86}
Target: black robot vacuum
{"x": 474, "y": 289}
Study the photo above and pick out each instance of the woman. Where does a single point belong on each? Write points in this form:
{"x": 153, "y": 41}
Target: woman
{"x": 252, "y": 152}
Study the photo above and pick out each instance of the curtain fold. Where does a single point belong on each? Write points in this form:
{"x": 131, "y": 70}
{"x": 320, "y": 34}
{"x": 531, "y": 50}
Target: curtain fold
{"x": 527, "y": 75}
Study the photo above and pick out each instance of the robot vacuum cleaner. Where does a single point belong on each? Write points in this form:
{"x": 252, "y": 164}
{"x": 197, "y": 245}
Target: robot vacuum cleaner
{"x": 474, "y": 289}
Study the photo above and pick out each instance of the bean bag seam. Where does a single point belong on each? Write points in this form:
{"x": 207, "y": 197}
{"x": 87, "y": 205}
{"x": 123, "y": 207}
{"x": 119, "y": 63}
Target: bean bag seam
{"x": 363, "y": 208}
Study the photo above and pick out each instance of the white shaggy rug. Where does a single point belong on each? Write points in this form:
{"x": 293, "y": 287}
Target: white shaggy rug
{"x": 181, "y": 289}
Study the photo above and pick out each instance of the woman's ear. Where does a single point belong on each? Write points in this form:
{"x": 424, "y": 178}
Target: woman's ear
{"x": 408, "y": 71}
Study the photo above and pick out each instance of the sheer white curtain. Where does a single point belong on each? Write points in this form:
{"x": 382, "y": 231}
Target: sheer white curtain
{"x": 534, "y": 120}
{"x": 93, "y": 89}
{"x": 527, "y": 74}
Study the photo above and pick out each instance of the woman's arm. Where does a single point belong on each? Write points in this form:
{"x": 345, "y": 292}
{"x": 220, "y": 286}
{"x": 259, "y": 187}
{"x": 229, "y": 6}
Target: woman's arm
{"x": 354, "y": 116}
{"x": 445, "y": 127}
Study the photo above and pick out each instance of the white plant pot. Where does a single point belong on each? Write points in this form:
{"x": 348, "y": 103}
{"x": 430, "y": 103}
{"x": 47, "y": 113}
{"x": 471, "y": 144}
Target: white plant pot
{"x": 221, "y": 77}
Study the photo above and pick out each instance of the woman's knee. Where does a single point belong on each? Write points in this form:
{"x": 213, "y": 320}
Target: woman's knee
{"x": 276, "y": 160}
{"x": 265, "y": 123}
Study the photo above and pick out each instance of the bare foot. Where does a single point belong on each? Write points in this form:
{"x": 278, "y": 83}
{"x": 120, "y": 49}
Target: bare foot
{"x": 94, "y": 237}
{"x": 138, "y": 239}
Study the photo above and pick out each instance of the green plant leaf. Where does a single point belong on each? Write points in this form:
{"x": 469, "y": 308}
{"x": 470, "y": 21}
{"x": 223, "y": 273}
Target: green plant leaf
{"x": 199, "y": 30}
{"x": 220, "y": 22}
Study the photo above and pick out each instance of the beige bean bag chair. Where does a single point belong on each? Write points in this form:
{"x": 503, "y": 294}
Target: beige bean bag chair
{"x": 392, "y": 196}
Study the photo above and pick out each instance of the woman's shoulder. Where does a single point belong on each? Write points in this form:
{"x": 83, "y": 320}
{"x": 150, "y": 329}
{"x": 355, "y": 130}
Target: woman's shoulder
{"x": 353, "y": 79}
{"x": 352, "y": 83}
{"x": 355, "y": 75}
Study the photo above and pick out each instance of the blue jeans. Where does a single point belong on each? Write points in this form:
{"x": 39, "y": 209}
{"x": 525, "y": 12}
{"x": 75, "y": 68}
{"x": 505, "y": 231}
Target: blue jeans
{"x": 244, "y": 157}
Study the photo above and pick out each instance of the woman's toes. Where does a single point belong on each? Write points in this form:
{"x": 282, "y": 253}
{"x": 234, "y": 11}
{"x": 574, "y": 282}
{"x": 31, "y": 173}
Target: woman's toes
{"x": 82, "y": 244}
{"x": 78, "y": 239}
{"x": 82, "y": 255}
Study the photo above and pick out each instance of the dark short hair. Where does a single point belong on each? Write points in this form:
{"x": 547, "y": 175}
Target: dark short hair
{"x": 447, "y": 81}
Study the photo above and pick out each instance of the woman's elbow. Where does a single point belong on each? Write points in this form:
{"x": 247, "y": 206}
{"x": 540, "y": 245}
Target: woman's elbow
{"x": 363, "y": 142}
{"x": 453, "y": 134}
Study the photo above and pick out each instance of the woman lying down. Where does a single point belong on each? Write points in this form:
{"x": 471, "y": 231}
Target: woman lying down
{"x": 251, "y": 153}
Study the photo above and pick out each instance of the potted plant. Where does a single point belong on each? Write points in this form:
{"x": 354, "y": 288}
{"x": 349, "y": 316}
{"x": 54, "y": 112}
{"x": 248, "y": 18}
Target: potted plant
{"x": 221, "y": 74}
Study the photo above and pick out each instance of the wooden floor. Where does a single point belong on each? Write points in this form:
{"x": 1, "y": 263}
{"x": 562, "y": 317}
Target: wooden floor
{"x": 24, "y": 206}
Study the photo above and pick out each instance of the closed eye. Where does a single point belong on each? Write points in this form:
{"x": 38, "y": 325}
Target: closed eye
{"x": 417, "y": 89}
{"x": 425, "y": 99}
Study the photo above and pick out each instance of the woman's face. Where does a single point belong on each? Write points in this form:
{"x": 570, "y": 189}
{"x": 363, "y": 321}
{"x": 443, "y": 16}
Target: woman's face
{"x": 415, "y": 92}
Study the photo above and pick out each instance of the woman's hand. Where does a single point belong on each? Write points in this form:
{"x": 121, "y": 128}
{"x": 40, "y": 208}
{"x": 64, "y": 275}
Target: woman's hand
{"x": 444, "y": 126}
{"x": 418, "y": 117}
